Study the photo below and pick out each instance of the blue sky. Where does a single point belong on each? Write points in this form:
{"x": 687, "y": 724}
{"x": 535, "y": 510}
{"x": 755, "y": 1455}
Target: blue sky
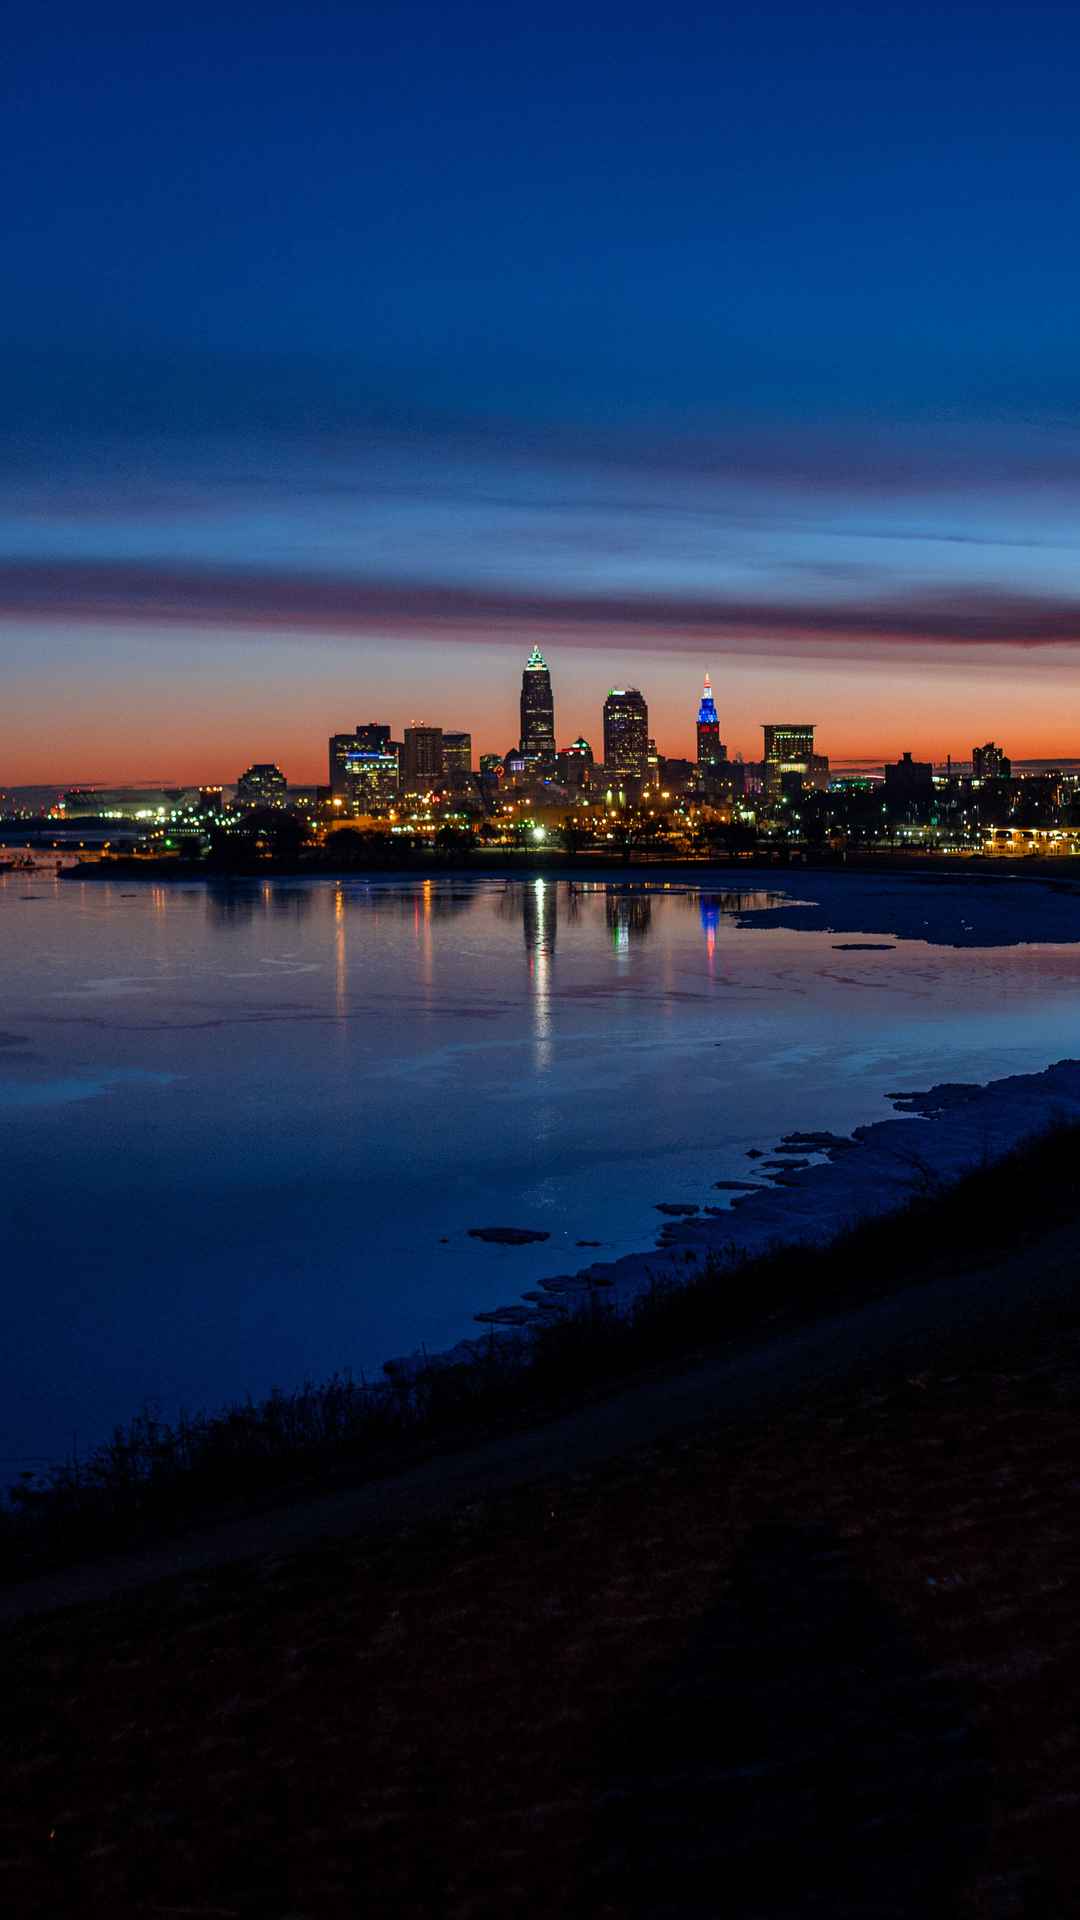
{"x": 709, "y": 313}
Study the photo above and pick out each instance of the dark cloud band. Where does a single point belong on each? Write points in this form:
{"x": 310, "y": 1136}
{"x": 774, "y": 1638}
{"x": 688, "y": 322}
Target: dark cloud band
{"x": 250, "y": 602}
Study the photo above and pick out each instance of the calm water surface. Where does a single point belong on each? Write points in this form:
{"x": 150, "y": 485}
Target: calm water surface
{"x": 246, "y": 1128}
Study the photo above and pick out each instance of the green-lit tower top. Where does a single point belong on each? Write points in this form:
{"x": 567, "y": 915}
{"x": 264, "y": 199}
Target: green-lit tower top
{"x": 537, "y": 709}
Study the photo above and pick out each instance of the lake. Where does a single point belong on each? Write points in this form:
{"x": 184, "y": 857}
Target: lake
{"x": 246, "y": 1126}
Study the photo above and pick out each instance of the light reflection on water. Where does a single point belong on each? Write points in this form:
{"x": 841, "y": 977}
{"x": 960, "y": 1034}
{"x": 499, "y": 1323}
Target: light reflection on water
{"x": 246, "y": 1127}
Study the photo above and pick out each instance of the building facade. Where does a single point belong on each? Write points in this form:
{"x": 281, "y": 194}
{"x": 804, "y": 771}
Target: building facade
{"x": 537, "y": 710}
{"x": 575, "y": 764}
{"x": 372, "y": 781}
{"x": 423, "y": 767}
{"x": 262, "y": 785}
{"x": 789, "y": 757}
{"x": 457, "y": 758}
{"x": 626, "y": 734}
{"x": 373, "y": 737}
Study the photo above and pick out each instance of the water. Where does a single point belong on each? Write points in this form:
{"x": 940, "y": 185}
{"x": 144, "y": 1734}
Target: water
{"x": 246, "y": 1128}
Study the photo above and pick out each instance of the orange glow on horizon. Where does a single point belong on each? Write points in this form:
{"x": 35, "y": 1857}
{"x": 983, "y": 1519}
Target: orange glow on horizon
{"x": 204, "y": 721}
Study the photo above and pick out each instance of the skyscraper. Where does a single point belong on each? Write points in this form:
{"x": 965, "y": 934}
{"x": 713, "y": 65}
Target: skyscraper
{"x": 789, "y": 755}
{"x": 626, "y": 734}
{"x": 537, "y": 709}
{"x": 457, "y": 756}
{"x": 370, "y": 738}
{"x": 372, "y": 780}
{"x": 710, "y": 748}
{"x": 422, "y": 760}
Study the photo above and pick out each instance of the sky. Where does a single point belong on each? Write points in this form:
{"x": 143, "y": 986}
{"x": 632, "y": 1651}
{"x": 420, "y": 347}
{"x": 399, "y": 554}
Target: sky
{"x": 346, "y": 352}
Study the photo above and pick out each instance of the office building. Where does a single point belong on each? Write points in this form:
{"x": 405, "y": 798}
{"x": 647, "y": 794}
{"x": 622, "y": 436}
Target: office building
{"x": 373, "y": 737}
{"x": 457, "y": 757}
{"x": 626, "y": 734}
{"x": 340, "y": 745}
{"x": 422, "y": 767}
{"x": 371, "y": 781}
{"x": 537, "y": 710}
{"x": 789, "y": 761}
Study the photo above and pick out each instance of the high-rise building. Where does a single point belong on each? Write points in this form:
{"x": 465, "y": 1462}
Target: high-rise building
{"x": 990, "y": 763}
{"x": 370, "y": 738}
{"x": 710, "y": 748}
{"x": 422, "y": 766}
{"x": 372, "y": 780}
{"x": 789, "y": 756}
{"x": 262, "y": 785}
{"x": 457, "y": 757}
{"x": 626, "y": 734}
{"x": 340, "y": 745}
{"x": 537, "y": 709}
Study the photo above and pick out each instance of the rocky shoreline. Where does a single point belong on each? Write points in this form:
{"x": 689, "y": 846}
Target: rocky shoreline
{"x": 817, "y": 1185}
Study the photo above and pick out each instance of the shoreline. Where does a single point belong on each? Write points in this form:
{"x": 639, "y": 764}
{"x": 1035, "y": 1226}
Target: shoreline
{"x": 934, "y": 1140}
{"x": 160, "y": 1495}
{"x": 532, "y": 864}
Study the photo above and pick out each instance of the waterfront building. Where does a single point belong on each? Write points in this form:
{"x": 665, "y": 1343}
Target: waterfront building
{"x": 537, "y": 710}
{"x": 423, "y": 766}
{"x": 711, "y": 750}
{"x": 626, "y": 734}
{"x": 990, "y": 762}
{"x": 262, "y": 785}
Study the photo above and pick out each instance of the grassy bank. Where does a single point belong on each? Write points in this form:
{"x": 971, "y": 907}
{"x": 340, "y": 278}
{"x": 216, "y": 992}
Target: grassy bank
{"x": 155, "y": 1477}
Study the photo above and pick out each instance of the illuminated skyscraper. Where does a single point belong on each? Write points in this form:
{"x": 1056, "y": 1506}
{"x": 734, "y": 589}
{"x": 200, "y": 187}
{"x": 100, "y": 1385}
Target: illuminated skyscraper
{"x": 626, "y": 734}
{"x": 789, "y": 757}
{"x": 710, "y": 748}
{"x": 372, "y": 780}
{"x": 537, "y": 709}
{"x": 370, "y": 738}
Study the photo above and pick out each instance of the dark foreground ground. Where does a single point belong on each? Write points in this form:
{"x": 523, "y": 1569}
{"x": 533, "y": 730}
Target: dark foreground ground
{"x": 824, "y": 1663}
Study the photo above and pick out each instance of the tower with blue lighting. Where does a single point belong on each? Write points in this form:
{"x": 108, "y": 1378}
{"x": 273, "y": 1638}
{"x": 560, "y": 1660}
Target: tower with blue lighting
{"x": 711, "y": 751}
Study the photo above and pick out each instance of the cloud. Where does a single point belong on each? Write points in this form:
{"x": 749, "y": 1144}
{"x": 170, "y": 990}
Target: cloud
{"x": 246, "y": 602}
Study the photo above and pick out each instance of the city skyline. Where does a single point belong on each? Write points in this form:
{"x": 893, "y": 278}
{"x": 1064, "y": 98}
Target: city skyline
{"x": 308, "y": 765}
